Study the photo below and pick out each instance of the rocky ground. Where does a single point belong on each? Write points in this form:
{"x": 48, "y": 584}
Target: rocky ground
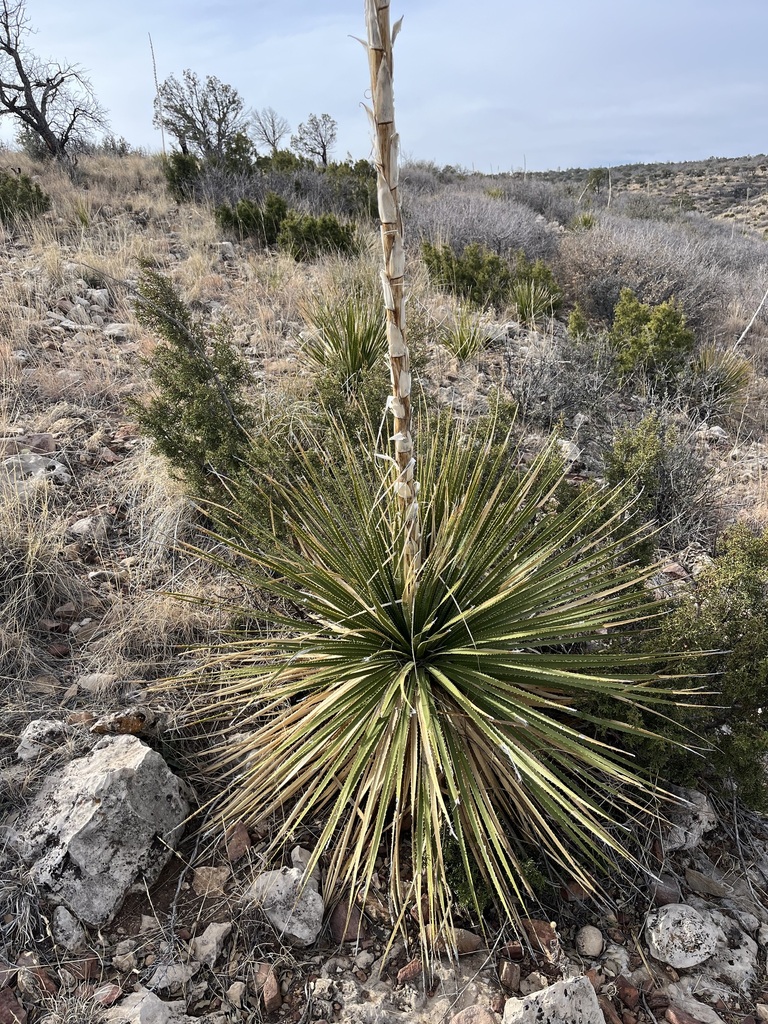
{"x": 111, "y": 912}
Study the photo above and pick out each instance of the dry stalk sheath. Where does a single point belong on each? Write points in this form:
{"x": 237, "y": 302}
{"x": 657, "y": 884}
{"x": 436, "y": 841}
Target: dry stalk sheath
{"x": 386, "y": 152}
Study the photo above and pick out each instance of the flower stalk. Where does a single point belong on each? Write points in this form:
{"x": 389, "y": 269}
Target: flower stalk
{"x": 386, "y": 153}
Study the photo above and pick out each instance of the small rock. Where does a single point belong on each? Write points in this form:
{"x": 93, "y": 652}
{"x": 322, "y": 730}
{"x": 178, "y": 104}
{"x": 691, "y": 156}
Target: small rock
{"x": 117, "y": 331}
{"x": 270, "y": 993}
{"x": 665, "y": 890}
{"x": 294, "y": 910}
{"x": 238, "y": 842}
{"x": 67, "y": 930}
{"x": 509, "y": 975}
{"x": 542, "y": 936}
{"x": 210, "y": 881}
{"x": 347, "y": 924}
{"x": 39, "y": 737}
{"x": 689, "y": 820}
{"x": 107, "y": 995}
{"x": 534, "y": 982}
{"x": 11, "y": 1010}
{"x": 300, "y": 859}
{"x": 474, "y": 1015}
{"x": 761, "y": 1009}
{"x": 235, "y": 994}
{"x": 628, "y": 994}
{"x": 411, "y": 972}
{"x": 589, "y": 941}
{"x": 226, "y": 251}
{"x": 92, "y": 529}
{"x": 609, "y": 1011}
{"x": 704, "y": 884}
{"x": 207, "y": 948}
{"x": 680, "y": 936}
{"x": 172, "y": 978}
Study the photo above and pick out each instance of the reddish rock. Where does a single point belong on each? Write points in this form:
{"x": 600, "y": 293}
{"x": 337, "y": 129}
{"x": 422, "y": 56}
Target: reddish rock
{"x": 609, "y": 1011}
{"x": 509, "y": 975}
{"x": 106, "y": 995}
{"x": 658, "y": 1000}
{"x": 273, "y": 1000}
{"x": 11, "y": 1010}
{"x": 628, "y": 994}
{"x": 628, "y": 1017}
{"x": 347, "y": 924}
{"x": 542, "y": 936}
{"x": 574, "y": 892}
{"x": 512, "y": 951}
{"x": 676, "y": 1016}
{"x": 597, "y": 980}
{"x": 238, "y": 842}
{"x": 411, "y": 971}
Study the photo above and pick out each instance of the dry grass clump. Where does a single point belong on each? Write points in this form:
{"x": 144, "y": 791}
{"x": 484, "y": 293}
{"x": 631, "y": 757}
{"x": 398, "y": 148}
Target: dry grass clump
{"x": 35, "y": 577}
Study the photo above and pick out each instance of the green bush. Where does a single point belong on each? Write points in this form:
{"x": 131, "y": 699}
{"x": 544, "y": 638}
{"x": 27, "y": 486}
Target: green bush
{"x": 198, "y": 417}
{"x": 250, "y": 219}
{"x": 477, "y": 275}
{"x": 668, "y": 477}
{"x": 484, "y": 278}
{"x": 306, "y": 237}
{"x": 181, "y": 171}
{"x": 651, "y": 339}
{"x": 21, "y": 198}
{"x": 727, "y": 609}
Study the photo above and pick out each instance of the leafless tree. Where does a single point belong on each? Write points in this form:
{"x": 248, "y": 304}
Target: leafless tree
{"x": 269, "y": 127}
{"x": 54, "y": 101}
{"x": 206, "y": 119}
{"x": 315, "y": 137}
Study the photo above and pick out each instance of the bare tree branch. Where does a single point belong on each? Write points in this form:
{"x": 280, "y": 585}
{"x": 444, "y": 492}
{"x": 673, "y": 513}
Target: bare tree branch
{"x": 53, "y": 101}
{"x": 269, "y": 127}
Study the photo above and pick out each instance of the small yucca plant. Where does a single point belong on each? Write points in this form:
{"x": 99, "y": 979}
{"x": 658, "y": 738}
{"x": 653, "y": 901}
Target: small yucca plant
{"x": 372, "y": 713}
{"x": 466, "y": 334}
{"x": 720, "y": 379}
{"x": 533, "y": 300}
{"x": 349, "y": 334}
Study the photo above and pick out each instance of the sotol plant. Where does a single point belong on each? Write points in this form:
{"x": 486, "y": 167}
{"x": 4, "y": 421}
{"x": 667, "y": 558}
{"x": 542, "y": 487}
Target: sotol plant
{"x": 427, "y": 676}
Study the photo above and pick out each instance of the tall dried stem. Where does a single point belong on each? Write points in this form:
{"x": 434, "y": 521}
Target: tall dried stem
{"x": 386, "y": 152}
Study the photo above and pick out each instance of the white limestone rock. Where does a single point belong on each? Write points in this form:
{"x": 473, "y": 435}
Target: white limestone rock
{"x": 680, "y": 936}
{"x": 565, "y": 1002}
{"x": 101, "y": 823}
{"x": 294, "y": 910}
{"x": 689, "y": 820}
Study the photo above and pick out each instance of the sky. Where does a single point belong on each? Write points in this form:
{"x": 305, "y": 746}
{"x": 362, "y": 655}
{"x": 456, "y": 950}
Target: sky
{"x": 487, "y": 85}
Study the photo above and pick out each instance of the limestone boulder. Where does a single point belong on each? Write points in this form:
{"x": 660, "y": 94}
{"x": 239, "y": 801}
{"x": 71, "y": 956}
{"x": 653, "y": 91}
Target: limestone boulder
{"x": 100, "y": 824}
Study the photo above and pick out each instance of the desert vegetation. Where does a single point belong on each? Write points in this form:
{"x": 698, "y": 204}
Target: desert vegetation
{"x": 449, "y": 591}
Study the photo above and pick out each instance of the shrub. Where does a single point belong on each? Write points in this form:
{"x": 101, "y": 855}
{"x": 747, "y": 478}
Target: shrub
{"x": 21, "y": 198}
{"x": 477, "y": 275}
{"x": 181, "y": 171}
{"x": 668, "y": 477}
{"x": 726, "y": 607}
{"x": 654, "y": 339}
{"x": 452, "y": 710}
{"x": 306, "y": 237}
{"x": 259, "y": 220}
{"x": 198, "y": 417}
